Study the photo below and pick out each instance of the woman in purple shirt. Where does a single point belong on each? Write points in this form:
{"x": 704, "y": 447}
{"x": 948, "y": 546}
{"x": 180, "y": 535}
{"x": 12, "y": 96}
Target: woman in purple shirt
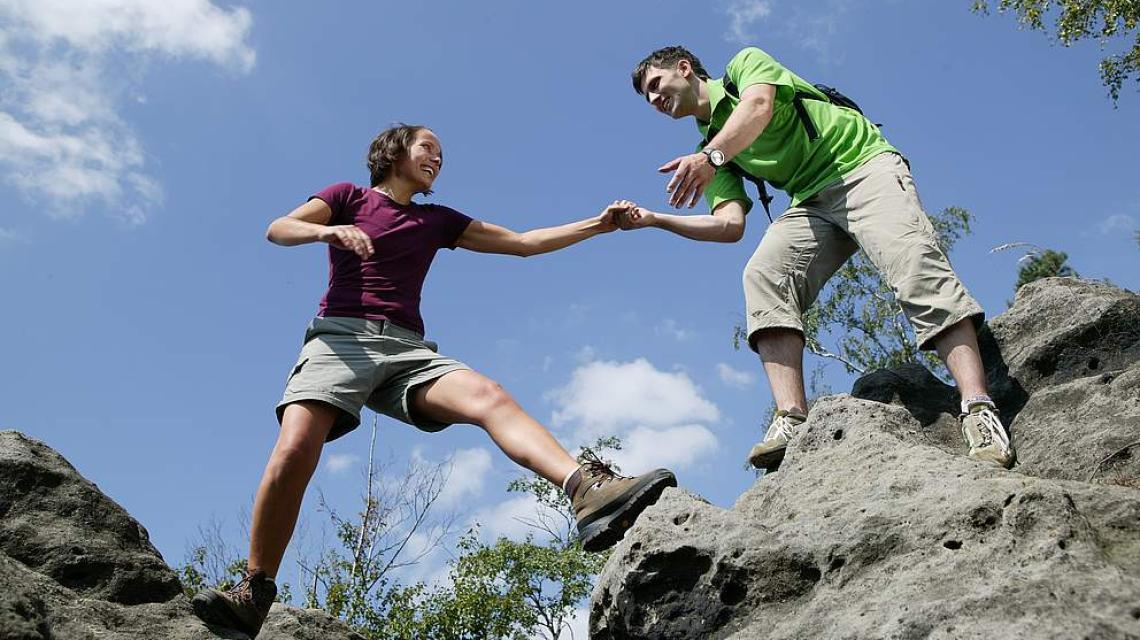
{"x": 366, "y": 348}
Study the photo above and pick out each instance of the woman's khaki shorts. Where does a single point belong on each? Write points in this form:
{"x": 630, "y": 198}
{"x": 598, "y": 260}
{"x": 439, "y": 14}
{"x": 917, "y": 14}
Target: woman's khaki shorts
{"x": 353, "y": 362}
{"x": 876, "y": 208}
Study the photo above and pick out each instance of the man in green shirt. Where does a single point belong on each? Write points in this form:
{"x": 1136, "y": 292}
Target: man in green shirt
{"x": 849, "y": 189}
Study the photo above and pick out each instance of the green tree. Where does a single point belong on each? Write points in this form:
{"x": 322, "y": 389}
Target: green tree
{"x": 858, "y": 322}
{"x": 396, "y": 527}
{"x": 510, "y": 590}
{"x": 507, "y": 590}
{"x": 1044, "y": 264}
{"x": 1075, "y": 20}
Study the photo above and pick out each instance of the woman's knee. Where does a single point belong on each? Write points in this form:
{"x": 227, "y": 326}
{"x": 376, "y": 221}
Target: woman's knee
{"x": 489, "y": 397}
{"x": 304, "y": 428}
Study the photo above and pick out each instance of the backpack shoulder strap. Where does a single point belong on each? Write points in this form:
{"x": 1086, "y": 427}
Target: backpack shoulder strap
{"x": 736, "y": 169}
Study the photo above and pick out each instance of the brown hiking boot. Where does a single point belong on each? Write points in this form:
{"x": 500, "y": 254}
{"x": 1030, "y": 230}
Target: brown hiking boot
{"x": 606, "y": 504}
{"x": 242, "y": 608}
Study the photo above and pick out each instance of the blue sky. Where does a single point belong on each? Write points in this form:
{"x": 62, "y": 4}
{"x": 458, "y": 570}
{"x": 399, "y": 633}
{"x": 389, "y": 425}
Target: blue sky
{"x": 144, "y": 148}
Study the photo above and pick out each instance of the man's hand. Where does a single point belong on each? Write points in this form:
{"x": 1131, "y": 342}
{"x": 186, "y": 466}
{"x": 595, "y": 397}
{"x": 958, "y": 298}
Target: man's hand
{"x": 692, "y": 173}
{"x": 637, "y": 218}
{"x": 349, "y": 238}
{"x": 613, "y": 214}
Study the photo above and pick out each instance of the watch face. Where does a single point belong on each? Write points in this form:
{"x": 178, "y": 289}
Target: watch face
{"x": 716, "y": 156}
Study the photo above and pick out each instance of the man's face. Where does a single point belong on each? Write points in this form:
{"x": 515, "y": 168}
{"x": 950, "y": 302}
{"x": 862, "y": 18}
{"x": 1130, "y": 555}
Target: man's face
{"x": 423, "y": 161}
{"x": 671, "y": 91}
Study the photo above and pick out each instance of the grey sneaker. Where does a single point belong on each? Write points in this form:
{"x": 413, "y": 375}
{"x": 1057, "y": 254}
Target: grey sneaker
{"x": 769, "y": 452}
{"x": 606, "y": 504}
{"x": 243, "y": 608}
{"x": 985, "y": 434}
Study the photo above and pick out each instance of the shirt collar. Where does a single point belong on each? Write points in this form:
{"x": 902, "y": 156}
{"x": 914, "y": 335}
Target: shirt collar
{"x": 717, "y": 95}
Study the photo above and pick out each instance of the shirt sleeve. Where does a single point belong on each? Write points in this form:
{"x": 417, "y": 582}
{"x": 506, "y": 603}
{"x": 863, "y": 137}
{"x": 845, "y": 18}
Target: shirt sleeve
{"x": 753, "y": 66}
{"x": 336, "y": 197}
{"x": 726, "y": 186}
{"x": 453, "y": 226}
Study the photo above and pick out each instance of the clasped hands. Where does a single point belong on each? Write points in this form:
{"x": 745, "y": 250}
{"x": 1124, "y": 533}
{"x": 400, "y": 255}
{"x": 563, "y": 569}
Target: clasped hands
{"x": 691, "y": 175}
{"x": 626, "y": 215}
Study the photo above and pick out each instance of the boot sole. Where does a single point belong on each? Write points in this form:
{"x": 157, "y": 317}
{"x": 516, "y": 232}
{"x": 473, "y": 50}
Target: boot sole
{"x": 210, "y": 609}
{"x": 607, "y": 530}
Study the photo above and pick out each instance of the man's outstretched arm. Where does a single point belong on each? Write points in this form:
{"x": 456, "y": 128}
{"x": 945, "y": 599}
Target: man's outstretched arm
{"x": 724, "y": 224}
{"x": 485, "y": 237}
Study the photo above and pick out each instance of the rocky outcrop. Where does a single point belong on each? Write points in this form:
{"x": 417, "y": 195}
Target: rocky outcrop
{"x": 878, "y": 526}
{"x": 74, "y": 565}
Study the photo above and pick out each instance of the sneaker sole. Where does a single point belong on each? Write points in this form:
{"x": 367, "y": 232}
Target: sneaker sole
{"x": 210, "y": 609}
{"x": 770, "y": 460}
{"x": 997, "y": 462}
{"x": 606, "y": 531}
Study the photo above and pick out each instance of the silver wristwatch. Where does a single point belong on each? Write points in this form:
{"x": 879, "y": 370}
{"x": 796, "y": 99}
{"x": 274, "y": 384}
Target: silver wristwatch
{"x": 716, "y": 156}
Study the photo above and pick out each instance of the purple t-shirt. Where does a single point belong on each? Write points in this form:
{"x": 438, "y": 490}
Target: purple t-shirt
{"x": 405, "y": 238}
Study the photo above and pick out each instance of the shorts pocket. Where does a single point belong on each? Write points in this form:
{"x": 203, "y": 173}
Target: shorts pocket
{"x": 296, "y": 369}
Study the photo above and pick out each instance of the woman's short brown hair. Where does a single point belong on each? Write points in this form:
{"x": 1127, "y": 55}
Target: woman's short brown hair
{"x": 388, "y": 148}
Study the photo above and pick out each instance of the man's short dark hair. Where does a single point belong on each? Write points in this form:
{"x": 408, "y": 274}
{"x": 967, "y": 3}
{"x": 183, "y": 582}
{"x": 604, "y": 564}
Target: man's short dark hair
{"x": 666, "y": 58}
{"x": 388, "y": 148}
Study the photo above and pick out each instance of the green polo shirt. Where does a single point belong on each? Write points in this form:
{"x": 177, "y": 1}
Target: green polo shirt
{"x": 782, "y": 154}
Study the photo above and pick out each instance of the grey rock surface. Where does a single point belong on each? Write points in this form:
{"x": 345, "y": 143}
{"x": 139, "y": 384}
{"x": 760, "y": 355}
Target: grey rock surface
{"x": 75, "y": 566}
{"x": 55, "y": 521}
{"x": 1062, "y": 329}
{"x": 878, "y": 526}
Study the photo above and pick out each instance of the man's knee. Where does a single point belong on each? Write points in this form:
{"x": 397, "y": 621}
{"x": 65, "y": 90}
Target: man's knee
{"x": 760, "y": 277}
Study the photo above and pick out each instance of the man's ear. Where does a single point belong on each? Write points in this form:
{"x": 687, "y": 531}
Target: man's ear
{"x": 684, "y": 67}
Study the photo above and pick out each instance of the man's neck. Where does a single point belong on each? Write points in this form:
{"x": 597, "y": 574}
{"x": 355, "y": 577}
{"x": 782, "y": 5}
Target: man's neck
{"x": 704, "y": 105}
{"x": 397, "y": 190}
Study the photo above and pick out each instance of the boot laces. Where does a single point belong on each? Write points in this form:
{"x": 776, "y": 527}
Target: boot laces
{"x": 243, "y": 590}
{"x": 599, "y": 470}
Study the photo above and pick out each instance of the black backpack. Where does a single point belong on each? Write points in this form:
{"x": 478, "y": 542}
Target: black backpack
{"x": 831, "y": 94}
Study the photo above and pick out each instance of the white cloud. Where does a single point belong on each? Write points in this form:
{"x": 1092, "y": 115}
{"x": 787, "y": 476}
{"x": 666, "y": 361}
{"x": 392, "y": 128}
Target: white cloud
{"x": 1117, "y": 224}
{"x": 67, "y": 64}
{"x": 338, "y": 463}
{"x": 469, "y": 469}
{"x": 7, "y": 235}
{"x": 586, "y": 354}
{"x": 431, "y": 566}
{"x": 680, "y": 447}
{"x": 743, "y": 15}
{"x": 509, "y": 518}
{"x": 814, "y": 27}
{"x": 669, "y": 327}
{"x": 603, "y": 396}
{"x": 735, "y": 377}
